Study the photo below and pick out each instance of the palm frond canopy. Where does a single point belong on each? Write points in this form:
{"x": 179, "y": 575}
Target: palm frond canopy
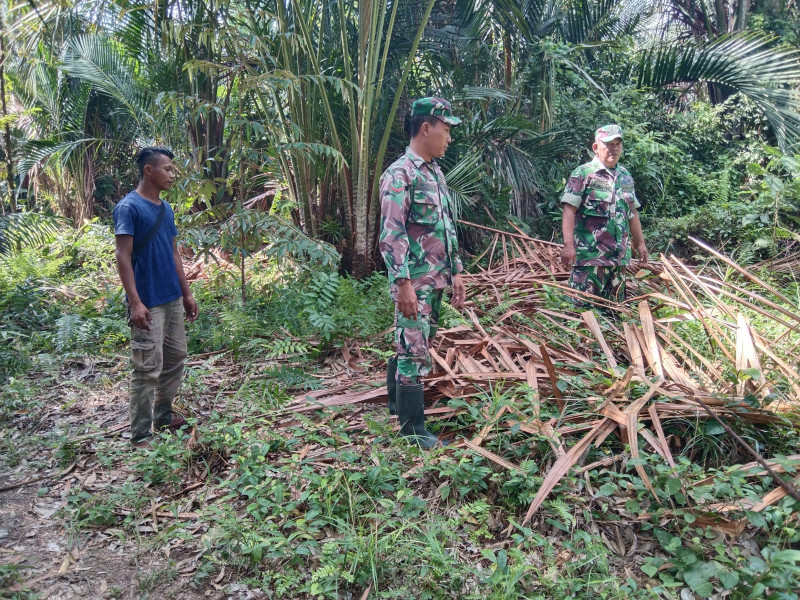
{"x": 18, "y": 230}
{"x": 745, "y": 63}
{"x": 597, "y": 20}
{"x": 102, "y": 62}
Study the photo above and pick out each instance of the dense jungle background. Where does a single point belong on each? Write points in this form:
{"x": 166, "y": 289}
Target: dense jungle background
{"x": 282, "y": 115}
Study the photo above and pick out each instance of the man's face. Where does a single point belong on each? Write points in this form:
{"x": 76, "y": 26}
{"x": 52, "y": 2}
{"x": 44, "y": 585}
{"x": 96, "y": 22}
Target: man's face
{"x": 608, "y": 152}
{"x": 161, "y": 172}
{"x": 438, "y": 138}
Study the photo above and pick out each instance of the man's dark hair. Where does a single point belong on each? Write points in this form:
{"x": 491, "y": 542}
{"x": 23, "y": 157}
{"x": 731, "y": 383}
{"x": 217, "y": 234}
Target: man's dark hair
{"x": 147, "y": 155}
{"x": 414, "y": 123}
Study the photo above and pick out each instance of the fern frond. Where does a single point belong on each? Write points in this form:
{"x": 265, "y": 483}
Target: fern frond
{"x": 499, "y": 310}
{"x": 18, "y": 230}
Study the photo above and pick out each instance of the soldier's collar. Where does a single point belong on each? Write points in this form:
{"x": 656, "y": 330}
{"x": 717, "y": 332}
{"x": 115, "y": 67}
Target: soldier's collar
{"x": 417, "y": 159}
{"x": 598, "y": 165}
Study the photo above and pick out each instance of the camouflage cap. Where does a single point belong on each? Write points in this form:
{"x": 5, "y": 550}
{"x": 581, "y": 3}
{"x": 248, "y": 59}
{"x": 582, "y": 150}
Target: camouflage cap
{"x": 437, "y": 107}
{"x": 606, "y": 133}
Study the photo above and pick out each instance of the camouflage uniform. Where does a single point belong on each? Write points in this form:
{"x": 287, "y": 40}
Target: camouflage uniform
{"x": 418, "y": 242}
{"x": 606, "y": 201}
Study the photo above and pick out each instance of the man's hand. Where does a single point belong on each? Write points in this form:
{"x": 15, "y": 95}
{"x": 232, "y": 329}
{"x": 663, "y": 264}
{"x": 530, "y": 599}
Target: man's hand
{"x": 568, "y": 231}
{"x": 459, "y": 293}
{"x": 140, "y": 316}
{"x": 190, "y": 306}
{"x": 638, "y": 238}
{"x": 407, "y": 300}
{"x": 641, "y": 252}
{"x": 568, "y": 256}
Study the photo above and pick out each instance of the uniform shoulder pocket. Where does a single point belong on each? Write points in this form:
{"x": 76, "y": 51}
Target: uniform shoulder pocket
{"x": 424, "y": 208}
{"x": 597, "y": 198}
{"x": 628, "y": 194}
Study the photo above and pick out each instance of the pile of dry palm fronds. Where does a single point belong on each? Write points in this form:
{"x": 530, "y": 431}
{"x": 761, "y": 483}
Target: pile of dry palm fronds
{"x": 741, "y": 364}
{"x": 786, "y": 263}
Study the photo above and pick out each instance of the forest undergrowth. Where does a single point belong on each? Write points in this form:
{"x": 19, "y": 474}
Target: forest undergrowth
{"x": 258, "y": 503}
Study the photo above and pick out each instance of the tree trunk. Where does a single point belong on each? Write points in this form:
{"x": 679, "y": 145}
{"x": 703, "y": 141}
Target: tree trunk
{"x": 740, "y": 17}
{"x": 721, "y": 14}
{"x": 243, "y": 275}
{"x": 361, "y": 267}
{"x": 12, "y": 196}
{"x": 85, "y": 183}
{"x": 507, "y": 55}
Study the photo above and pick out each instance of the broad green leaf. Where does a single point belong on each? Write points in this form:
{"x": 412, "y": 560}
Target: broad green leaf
{"x": 787, "y": 556}
{"x": 752, "y": 373}
{"x": 673, "y": 485}
{"x": 714, "y": 428}
{"x": 698, "y": 577}
{"x": 607, "y": 489}
{"x": 756, "y": 519}
{"x": 728, "y": 579}
{"x": 757, "y": 564}
{"x": 649, "y": 570}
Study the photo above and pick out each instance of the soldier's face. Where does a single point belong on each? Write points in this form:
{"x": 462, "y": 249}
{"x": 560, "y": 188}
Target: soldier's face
{"x": 438, "y": 138}
{"x": 608, "y": 152}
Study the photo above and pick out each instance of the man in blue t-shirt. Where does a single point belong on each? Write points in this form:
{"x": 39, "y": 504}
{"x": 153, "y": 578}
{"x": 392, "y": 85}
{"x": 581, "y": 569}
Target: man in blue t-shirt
{"x": 157, "y": 293}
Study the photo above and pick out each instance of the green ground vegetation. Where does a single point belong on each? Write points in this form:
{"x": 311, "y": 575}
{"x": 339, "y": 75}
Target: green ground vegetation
{"x": 298, "y": 106}
{"x": 364, "y": 509}
{"x": 282, "y": 114}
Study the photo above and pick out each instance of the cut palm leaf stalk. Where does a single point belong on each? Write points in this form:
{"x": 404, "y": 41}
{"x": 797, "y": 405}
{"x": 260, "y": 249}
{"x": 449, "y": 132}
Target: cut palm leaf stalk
{"x": 562, "y": 368}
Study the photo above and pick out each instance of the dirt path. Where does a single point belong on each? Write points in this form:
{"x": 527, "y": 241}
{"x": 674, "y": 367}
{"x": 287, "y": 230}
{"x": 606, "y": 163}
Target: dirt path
{"x": 57, "y": 563}
{"x": 77, "y": 445}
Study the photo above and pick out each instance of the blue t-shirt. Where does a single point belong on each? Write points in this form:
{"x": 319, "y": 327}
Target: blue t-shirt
{"x": 154, "y": 267}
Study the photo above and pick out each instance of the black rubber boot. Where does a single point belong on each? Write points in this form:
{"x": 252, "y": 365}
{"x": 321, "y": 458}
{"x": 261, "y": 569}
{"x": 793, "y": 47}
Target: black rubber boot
{"x": 411, "y": 412}
{"x": 391, "y": 384}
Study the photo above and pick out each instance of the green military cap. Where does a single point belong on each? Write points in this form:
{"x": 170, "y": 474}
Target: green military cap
{"x": 437, "y": 107}
{"x": 606, "y": 133}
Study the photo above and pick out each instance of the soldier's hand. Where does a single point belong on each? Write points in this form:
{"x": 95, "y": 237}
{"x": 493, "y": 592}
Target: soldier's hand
{"x": 459, "y": 292}
{"x": 407, "y": 300}
{"x": 568, "y": 256}
{"x": 641, "y": 252}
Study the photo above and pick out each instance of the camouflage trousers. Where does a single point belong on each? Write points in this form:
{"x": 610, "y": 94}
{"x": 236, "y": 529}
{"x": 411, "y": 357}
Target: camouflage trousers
{"x": 412, "y": 336}
{"x": 606, "y": 282}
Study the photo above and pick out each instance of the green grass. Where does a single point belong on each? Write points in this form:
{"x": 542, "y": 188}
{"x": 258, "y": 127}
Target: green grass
{"x": 353, "y": 513}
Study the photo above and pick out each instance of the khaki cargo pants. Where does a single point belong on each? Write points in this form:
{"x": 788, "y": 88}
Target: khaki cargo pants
{"x": 157, "y": 357}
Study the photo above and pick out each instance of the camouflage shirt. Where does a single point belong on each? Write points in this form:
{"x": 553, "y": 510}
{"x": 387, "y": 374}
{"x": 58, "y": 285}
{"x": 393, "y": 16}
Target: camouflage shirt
{"x": 418, "y": 236}
{"x": 606, "y": 201}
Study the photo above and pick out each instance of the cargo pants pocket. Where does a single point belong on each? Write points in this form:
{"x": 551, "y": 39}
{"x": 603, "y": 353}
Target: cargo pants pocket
{"x": 143, "y": 355}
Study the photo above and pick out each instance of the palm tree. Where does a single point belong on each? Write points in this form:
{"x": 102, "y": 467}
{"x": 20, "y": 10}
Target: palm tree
{"x": 8, "y": 148}
{"x": 747, "y": 63}
{"x": 60, "y": 154}
{"x": 329, "y": 78}
{"x": 18, "y": 230}
{"x": 82, "y": 104}
{"x": 700, "y": 43}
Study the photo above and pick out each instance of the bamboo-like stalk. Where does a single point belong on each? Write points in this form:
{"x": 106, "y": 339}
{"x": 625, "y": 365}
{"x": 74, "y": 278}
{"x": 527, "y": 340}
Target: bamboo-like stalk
{"x": 9, "y": 150}
{"x": 381, "y": 152}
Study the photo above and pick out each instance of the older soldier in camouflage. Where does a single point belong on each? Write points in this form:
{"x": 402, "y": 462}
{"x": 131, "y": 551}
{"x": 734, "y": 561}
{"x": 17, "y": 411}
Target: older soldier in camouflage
{"x": 599, "y": 219}
{"x": 419, "y": 245}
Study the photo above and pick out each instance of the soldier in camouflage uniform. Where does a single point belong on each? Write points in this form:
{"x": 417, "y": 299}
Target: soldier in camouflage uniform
{"x": 599, "y": 219}
{"x": 419, "y": 245}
